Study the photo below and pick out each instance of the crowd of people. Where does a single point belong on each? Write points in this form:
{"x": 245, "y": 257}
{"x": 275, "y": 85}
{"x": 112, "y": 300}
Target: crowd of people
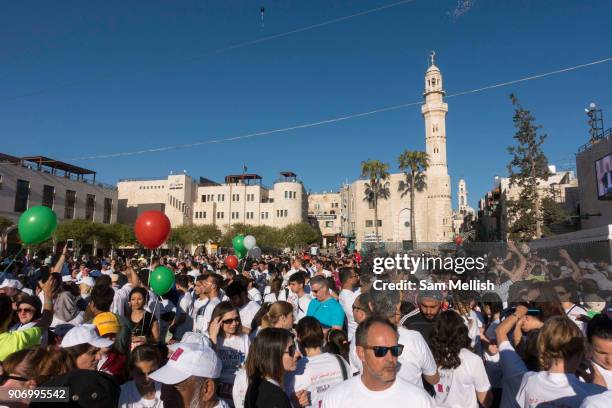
{"x": 296, "y": 331}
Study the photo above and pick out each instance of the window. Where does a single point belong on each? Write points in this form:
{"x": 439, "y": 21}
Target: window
{"x": 371, "y": 204}
{"x": 220, "y": 215}
{"x": 203, "y": 214}
{"x": 249, "y": 215}
{"x": 369, "y": 223}
{"x": 108, "y": 208}
{"x": 329, "y": 224}
{"x": 203, "y": 198}
{"x": 220, "y": 197}
{"x": 70, "y": 204}
{"x": 235, "y": 197}
{"x": 90, "y": 206}
{"x": 250, "y": 197}
{"x": 22, "y": 193}
{"x": 48, "y": 195}
{"x": 285, "y": 212}
{"x": 264, "y": 215}
{"x": 235, "y": 215}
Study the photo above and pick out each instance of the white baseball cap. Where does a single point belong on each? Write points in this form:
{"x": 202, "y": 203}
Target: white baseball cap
{"x": 188, "y": 360}
{"x": 85, "y": 333}
{"x": 87, "y": 280}
{"x": 11, "y": 283}
{"x": 67, "y": 278}
{"x": 192, "y": 338}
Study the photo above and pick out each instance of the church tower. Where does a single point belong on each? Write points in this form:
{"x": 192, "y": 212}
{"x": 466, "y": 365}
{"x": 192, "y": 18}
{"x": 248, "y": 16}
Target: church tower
{"x": 439, "y": 211}
{"x": 462, "y": 197}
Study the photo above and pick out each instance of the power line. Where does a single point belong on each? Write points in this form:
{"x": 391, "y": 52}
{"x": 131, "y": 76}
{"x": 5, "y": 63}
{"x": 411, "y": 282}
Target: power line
{"x": 340, "y": 118}
{"x": 209, "y": 53}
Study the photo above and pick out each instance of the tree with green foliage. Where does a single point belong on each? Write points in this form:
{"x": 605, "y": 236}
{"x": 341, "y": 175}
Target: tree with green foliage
{"x": 414, "y": 165}
{"x": 292, "y": 236}
{"x": 528, "y": 167}
{"x": 377, "y": 186}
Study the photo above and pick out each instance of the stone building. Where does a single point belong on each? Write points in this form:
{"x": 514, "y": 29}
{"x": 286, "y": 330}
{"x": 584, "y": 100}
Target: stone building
{"x": 242, "y": 198}
{"x": 324, "y": 211}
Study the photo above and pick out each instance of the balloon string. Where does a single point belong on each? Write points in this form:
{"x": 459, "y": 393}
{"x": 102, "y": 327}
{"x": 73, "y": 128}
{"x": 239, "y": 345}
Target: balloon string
{"x": 10, "y": 263}
{"x": 149, "y": 291}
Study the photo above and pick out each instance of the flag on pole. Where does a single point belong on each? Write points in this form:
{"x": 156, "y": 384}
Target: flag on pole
{"x": 244, "y": 168}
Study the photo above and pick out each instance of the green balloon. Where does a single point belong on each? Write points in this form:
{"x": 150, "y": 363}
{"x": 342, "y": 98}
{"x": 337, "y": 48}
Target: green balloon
{"x": 238, "y": 243}
{"x": 161, "y": 280}
{"x": 241, "y": 254}
{"x": 37, "y": 225}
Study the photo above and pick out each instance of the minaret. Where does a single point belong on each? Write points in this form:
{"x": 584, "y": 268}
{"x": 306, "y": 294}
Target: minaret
{"x": 462, "y": 197}
{"x": 439, "y": 212}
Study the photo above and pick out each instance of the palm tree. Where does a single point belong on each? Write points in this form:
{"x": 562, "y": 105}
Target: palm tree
{"x": 377, "y": 173}
{"x": 414, "y": 165}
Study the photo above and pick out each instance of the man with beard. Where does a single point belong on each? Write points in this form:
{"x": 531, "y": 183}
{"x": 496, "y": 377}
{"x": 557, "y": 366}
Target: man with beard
{"x": 429, "y": 303}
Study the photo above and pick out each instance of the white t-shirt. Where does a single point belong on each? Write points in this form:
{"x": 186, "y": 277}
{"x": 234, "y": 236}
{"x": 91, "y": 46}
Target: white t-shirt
{"x": 457, "y": 387}
{"x": 603, "y": 400}
{"x": 354, "y": 394}
{"x": 316, "y": 374}
{"x": 300, "y": 305}
{"x": 248, "y": 312}
{"x": 131, "y": 398}
{"x": 232, "y": 352}
{"x": 554, "y": 389}
{"x": 492, "y": 364}
{"x": 513, "y": 368}
{"x": 416, "y": 359}
{"x": 574, "y": 312}
{"x": 241, "y": 383}
{"x": 203, "y": 313}
{"x": 254, "y": 295}
{"x": 356, "y": 365}
{"x": 269, "y": 298}
{"x": 185, "y": 306}
{"x": 346, "y": 299}
{"x": 606, "y": 374}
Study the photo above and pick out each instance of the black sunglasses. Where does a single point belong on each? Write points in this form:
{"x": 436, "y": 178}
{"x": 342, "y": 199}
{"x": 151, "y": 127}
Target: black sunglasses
{"x": 5, "y": 377}
{"x": 381, "y": 351}
{"x": 230, "y": 321}
{"x": 291, "y": 351}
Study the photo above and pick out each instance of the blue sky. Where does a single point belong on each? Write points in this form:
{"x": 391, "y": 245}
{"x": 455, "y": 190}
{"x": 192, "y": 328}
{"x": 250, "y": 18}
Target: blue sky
{"x": 83, "y": 79}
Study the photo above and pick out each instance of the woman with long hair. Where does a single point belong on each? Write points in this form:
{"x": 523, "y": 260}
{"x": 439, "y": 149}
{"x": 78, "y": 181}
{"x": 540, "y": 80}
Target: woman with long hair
{"x": 279, "y": 314}
{"x": 336, "y": 342}
{"x": 145, "y": 327}
{"x": 232, "y": 345}
{"x": 272, "y": 355}
{"x": 561, "y": 349}
{"x": 272, "y": 290}
{"x": 463, "y": 379}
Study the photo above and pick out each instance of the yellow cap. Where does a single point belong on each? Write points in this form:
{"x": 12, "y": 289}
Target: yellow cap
{"x": 107, "y": 323}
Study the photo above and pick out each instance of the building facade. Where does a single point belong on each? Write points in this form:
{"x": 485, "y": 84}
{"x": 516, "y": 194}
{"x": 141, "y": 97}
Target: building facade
{"x": 241, "y": 199}
{"x": 432, "y": 206}
{"x": 70, "y": 191}
{"x": 465, "y": 215}
{"x": 325, "y": 212}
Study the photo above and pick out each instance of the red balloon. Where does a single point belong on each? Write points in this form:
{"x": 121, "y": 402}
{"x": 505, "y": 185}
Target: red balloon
{"x": 152, "y": 228}
{"x": 231, "y": 262}
{"x": 458, "y": 240}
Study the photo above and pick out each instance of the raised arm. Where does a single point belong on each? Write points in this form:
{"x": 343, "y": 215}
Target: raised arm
{"x": 60, "y": 262}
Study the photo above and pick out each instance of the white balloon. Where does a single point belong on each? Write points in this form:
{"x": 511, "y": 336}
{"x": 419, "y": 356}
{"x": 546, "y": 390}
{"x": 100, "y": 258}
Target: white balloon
{"x": 255, "y": 252}
{"x": 249, "y": 242}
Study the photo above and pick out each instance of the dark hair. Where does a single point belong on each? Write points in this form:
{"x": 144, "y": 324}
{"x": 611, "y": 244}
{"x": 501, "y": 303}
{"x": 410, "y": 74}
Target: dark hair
{"x": 448, "y": 336}
{"x": 345, "y": 274}
{"x": 104, "y": 280}
{"x": 599, "y": 326}
{"x": 493, "y": 300}
{"x": 361, "y": 335}
{"x": 221, "y": 309}
{"x": 235, "y": 288}
{"x": 298, "y": 277}
{"x": 142, "y": 291}
{"x": 265, "y": 357}
{"x": 337, "y": 343}
{"x": 49, "y": 362}
{"x": 218, "y": 279}
{"x": 182, "y": 280}
{"x": 144, "y": 352}
{"x": 102, "y": 297}
{"x": 33, "y": 301}
{"x": 319, "y": 280}
{"x": 6, "y": 309}
{"x": 79, "y": 349}
{"x": 309, "y": 332}
{"x": 384, "y": 302}
{"x": 363, "y": 300}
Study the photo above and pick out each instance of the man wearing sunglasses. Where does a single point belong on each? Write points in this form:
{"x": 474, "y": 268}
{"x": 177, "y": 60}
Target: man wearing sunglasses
{"x": 378, "y": 385}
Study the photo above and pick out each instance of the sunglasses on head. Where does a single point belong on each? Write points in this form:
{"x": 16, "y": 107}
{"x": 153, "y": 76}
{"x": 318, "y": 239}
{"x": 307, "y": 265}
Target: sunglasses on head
{"x": 230, "y": 321}
{"x": 291, "y": 350}
{"x": 381, "y": 351}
